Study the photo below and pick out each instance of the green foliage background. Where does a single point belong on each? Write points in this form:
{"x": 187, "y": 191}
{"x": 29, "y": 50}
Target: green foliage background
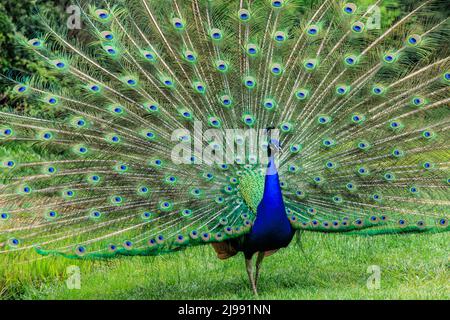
{"x": 18, "y": 17}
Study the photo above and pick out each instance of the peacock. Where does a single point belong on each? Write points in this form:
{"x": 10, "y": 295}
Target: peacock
{"x": 166, "y": 124}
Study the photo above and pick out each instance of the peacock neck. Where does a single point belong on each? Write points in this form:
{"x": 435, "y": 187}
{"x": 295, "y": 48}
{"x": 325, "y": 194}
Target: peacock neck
{"x": 272, "y": 192}
{"x": 271, "y": 167}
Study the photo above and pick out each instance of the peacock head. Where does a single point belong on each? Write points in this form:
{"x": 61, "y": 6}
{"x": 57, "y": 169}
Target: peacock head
{"x": 274, "y": 145}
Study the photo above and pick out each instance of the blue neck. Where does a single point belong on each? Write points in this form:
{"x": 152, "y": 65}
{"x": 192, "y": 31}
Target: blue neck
{"x": 272, "y": 197}
{"x": 271, "y": 229}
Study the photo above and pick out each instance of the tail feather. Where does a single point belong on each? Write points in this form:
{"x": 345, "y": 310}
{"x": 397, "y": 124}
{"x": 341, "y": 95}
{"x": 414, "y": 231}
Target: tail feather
{"x": 363, "y": 116}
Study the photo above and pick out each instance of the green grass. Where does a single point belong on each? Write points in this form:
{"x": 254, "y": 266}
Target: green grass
{"x": 331, "y": 266}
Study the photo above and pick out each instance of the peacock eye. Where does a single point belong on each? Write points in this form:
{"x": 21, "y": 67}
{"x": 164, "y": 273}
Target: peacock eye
{"x": 349, "y": 8}
{"x": 358, "y": 27}
{"x": 244, "y": 15}
{"x": 414, "y": 40}
{"x": 216, "y": 34}
{"x": 178, "y": 24}
{"x": 313, "y": 30}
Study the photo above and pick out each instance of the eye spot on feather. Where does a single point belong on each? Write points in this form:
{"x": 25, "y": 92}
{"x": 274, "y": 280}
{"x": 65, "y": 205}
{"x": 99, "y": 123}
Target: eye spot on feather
{"x": 60, "y": 65}
{"x": 349, "y": 8}
{"x": 193, "y": 234}
{"x": 328, "y": 143}
{"x": 310, "y": 64}
{"x": 143, "y": 190}
{"x": 14, "y": 242}
{"x": 110, "y": 50}
{"x": 323, "y": 119}
{"x": 427, "y": 165}
{"x": 269, "y": 104}
{"x": 4, "y": 216}
{"x": 358, "y": 27}
{"x": 397, "y": 153}
{"x": 21, "y": 89}
{"x": 216, "y": 34}
{"x": 199, "y": 87}
{"x": 249, "y": 120}
{"x": 442, "y": 222}
{"x": 180, "y": 239}
{"x": 168, "y": 83}
{"x": 35, "y": 43}
{"x": 390, "y": 58}
{"x": 286, "y": 127}
{"x": 95, "y": 214}
{"x": 300, "y": 194}
{"x": 146, "y": 215}
{"x": 414, "y": 40}
{"x": 313, "y": 30}
{"x": 330, "y": 165}
{"x": 342, "y": 89}
{"x": 414, "y": 190}
{"x": 362, "y": 171}
{"x": 68, "y": 193}
{"x": 127, "y": 244}
{"x": 389, "y": 176}
{"x": 418, "y": 101}
{"x": 187, "y": 213}
{"x": 363, "y": 145}
{"x": 221, "y": 66}
{"x": 94, "y": 88}
{"x": 402, "y": 223}
{"x": 82, "y": 150}
{"x": 51, "y": 170}
{"x": 107, "y": 35}
{"x": 276, "y": 69}
{"x": 277, "y": 4}
{"x": 378, "y": 90}
{"x": 252, "y": 49}
{"x": 47, "y": 135}
{"x": 102, "y": 14}
{"x": 395, "y": 125}
{"x": 350, "y": 60}
{"x": 302, "y": 94}
{"x": 295, "y": 148}
{"x": 244, "y": 15}
{"x": 80, "y": 250}
{"x": 165, "y": 205}
{"x": 446, "y": 77}
{"x": 249, "y": 82}
{"x": 190, "y": 56}
{"x": 280, "y": 36}
{"x": 178, "y": 24}
{"x": 9, "y": 164}
{"x": 377, "y": 197}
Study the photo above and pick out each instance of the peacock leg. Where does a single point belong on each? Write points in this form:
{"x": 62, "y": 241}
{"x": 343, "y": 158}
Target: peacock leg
{"x": 259, "y": 260}
{"x": 249, "y": 267}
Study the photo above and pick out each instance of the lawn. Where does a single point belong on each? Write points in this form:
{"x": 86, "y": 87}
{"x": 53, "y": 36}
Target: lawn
{"x": 325, "y": 266}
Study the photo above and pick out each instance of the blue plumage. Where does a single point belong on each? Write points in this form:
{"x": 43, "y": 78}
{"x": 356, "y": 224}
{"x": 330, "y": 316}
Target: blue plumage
{"x": 271, "y": 229}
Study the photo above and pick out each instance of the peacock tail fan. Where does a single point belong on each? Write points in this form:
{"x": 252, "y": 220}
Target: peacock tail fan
{"x": 363, "y": 115}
